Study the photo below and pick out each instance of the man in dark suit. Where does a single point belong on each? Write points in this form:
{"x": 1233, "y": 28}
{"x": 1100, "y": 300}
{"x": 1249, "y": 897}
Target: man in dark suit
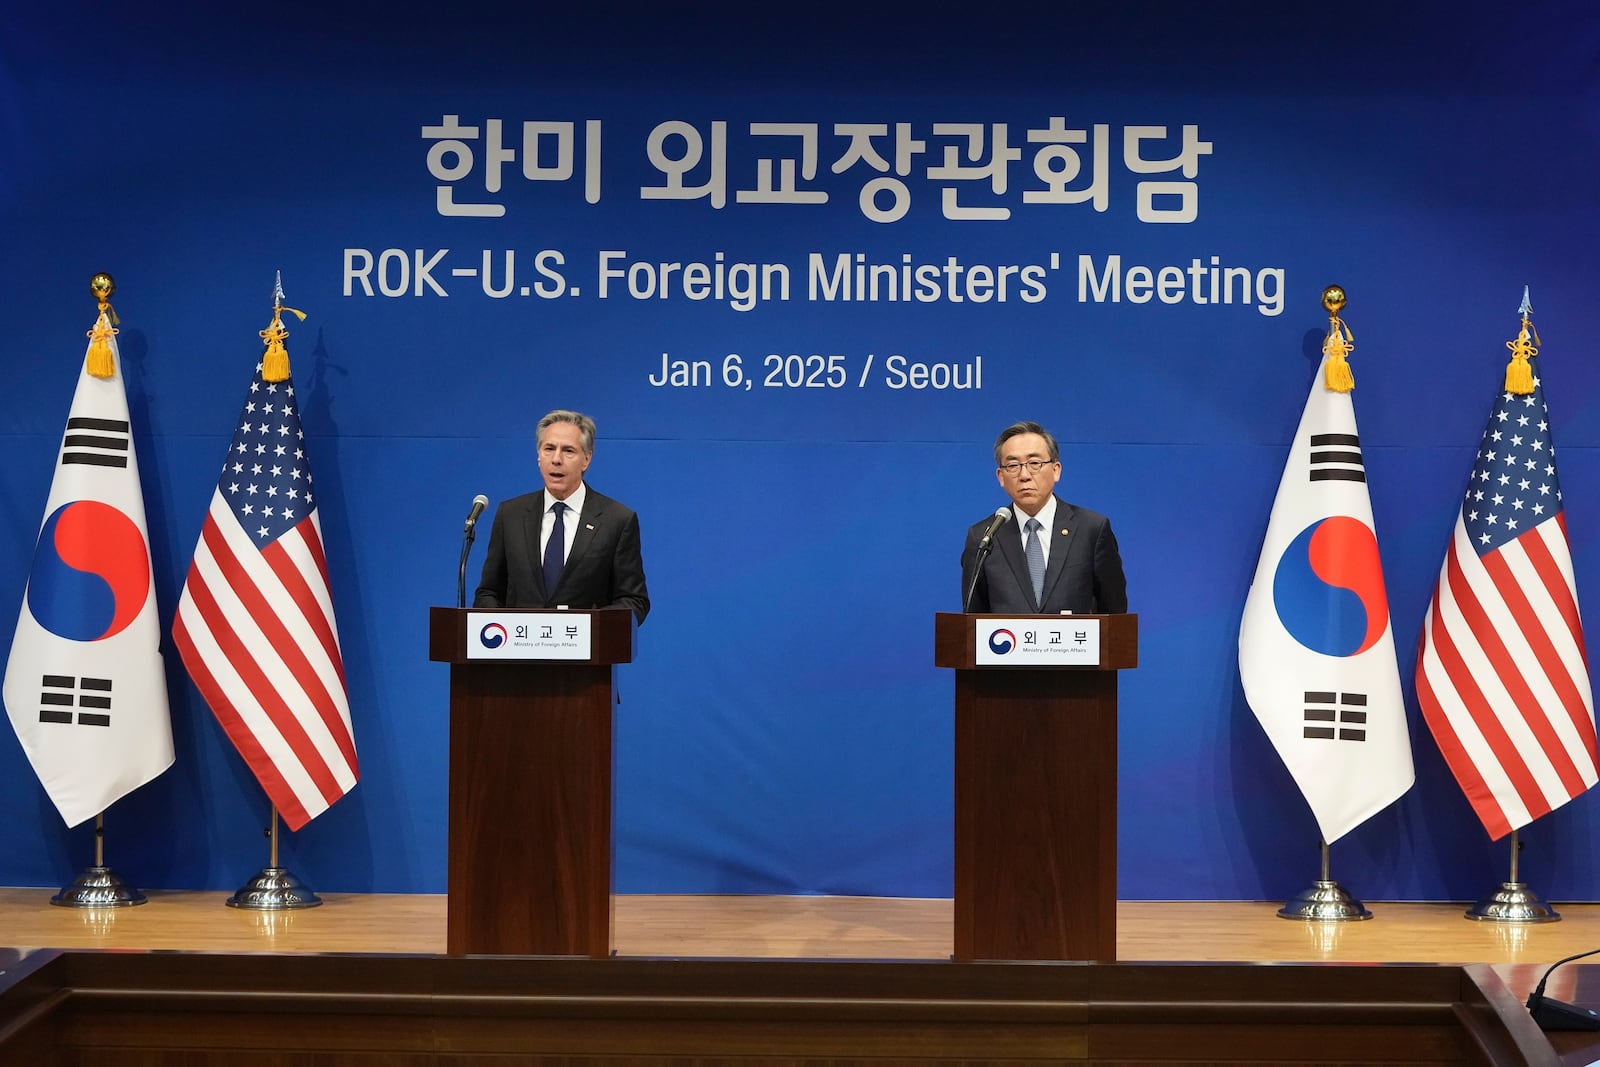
{"x": 1052, "y": 556}
{"x": 568, "y": 545}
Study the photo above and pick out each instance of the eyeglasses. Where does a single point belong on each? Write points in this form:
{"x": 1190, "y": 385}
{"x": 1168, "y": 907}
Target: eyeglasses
{"x": 1034, "y": 466}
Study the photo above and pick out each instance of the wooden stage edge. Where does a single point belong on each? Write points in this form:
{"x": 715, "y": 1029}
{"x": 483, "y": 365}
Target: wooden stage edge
{"x": 804, "y": 927}
{"x": 761, "y": 980}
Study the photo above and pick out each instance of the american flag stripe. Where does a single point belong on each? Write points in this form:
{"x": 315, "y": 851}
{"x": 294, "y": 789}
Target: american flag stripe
{"x": 256, "y": 624}
{"x": 1552, "y": 555}
{"x": 1499, "y": 677}
{"x": 317, "y": 662}
{"x": 252, "y": 712}
{"x": 1549, "y": 637}
{"x": 1464, "y": 755}
{"x": 1483, "y": 743}
{"x": 235, "y": 708}
{"x": 1515, "y": 661}
{"x": 280, "y": 625}
{"x": 260, "y": 628}
{"x": 260, "y": 723}
{"x": 1527, "y": 662}
{"x": 302, "y": 573}
{"x": 1549, "y": 627}
{"x": 1503, "y": 636}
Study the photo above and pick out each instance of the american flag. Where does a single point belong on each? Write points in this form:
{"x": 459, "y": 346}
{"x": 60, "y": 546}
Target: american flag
{"x": 255, "y": 625}
{"x": 1502, "y": 676}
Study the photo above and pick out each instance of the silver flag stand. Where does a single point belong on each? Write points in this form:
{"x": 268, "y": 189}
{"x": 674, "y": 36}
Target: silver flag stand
{"x": 1325, "y": 901}
{"x": 273, "y": 888}
{"x": 1512, "y": 902}
{"x": 99, "y": 886}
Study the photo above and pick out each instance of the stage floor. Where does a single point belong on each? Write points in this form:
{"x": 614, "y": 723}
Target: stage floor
{"x": 804, "y": 927}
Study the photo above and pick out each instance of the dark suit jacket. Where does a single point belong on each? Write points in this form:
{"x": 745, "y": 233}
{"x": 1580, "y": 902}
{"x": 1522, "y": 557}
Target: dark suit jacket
{"x": 1084, "y": 575}
{"x": 604, "y": 568}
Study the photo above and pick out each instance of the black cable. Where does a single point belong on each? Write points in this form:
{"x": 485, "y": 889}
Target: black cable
{"x": 1553, "y": 1014}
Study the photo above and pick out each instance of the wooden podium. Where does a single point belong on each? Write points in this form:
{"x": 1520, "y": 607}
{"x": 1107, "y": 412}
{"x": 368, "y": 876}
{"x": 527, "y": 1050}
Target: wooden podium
{"x": 530, "y": 851}
{"x": 1035, "y": 788}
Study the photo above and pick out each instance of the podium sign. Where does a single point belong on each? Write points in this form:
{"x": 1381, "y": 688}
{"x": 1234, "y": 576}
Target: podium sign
{"x": 1037, "y": 641}
{"x": 521, "y": 635}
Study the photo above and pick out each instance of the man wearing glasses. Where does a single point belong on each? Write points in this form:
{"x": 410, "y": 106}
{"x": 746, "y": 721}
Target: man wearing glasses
{"x": 1051, "y": 556}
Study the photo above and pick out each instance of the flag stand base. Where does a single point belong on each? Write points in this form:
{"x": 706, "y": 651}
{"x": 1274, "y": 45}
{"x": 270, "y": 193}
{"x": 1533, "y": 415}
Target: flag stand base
{"x": 1324, "y": 902}
{"x": 99, "y": 887}
{"x": 273, "y": 889}
{"x": 1512, "y": 903}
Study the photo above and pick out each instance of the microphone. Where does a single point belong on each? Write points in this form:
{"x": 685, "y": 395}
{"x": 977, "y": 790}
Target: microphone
{"x": 1552, "y": 1014}
{"x": 1002, "y": 515}
{"x": 479, "y": 502}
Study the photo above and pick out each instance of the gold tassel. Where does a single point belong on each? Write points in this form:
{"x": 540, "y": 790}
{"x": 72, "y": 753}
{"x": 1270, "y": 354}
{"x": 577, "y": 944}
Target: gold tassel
{"x": 1340, "y": 343}
{"x": 100, "y": 362}
{"x": 1519, "y": 372}
{"x": 275, "y": 362}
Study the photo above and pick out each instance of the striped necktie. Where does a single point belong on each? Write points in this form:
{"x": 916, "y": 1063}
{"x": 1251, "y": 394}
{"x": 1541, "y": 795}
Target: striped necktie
{"x": 1034, "y": 551}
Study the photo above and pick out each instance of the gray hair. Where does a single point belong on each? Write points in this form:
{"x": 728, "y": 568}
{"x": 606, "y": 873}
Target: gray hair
{"x": 1018, "y": 428}
{"x": 583, "y": 422}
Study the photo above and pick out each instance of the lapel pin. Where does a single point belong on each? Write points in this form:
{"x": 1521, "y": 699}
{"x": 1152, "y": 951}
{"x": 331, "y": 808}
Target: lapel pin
{"x": 588, "y": 526}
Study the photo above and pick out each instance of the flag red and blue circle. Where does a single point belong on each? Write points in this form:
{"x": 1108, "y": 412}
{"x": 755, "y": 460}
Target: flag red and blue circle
{"x": 1328, "y": 590}
{"x": 91, "y": 572}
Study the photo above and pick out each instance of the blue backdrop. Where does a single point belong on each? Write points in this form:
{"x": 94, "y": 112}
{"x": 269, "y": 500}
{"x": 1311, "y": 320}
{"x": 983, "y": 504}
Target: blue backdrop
{"x": 1125, "y": 213}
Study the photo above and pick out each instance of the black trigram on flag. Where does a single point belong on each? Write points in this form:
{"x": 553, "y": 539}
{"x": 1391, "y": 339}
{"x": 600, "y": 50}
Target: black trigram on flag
{"x": 1336, "y": 457}
{"x": 98, "y": 442}
{"x": 60, "y": 693}
{"x": 1336, "y": 716}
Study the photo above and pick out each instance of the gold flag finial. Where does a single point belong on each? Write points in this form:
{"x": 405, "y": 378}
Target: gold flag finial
{"x": 1519, "y": 372}
{"x": 1339, "y": 344}
{"x": 275, "y": 361}
{"x": 100, "y": 362}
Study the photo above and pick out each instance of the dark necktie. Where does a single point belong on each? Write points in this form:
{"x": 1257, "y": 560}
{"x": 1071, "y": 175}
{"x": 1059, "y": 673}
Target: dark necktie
{"x": 555, "y": 550}
{"x": 1035, "y": 556}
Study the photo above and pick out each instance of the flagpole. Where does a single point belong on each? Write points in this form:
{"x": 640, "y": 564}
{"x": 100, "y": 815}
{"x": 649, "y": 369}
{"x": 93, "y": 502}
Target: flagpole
{"x": 1326, "y": 901}
{"x": 99, "y": 886}
{"x": 273, "y": 888}
{"x": 1513, "y": 902}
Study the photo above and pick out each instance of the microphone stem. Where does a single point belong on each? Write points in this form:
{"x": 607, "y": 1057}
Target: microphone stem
{"x": 461, "y": 572}
{"x": 977, "y": 569}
